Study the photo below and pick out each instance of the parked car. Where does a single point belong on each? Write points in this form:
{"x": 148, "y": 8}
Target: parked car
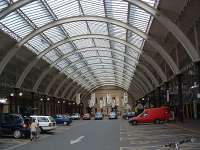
{"x": 128, "y": 115}
{"x": 155, "y": 115}
{"x": 62, "y": 119}
{"x": 98, "y": 116}
{"x": 86, "y": 116}
{"x": 75, "y": 116}
{"x": 112, "y": 115}
{"x": 13, "y": 125}
{"x": 45, "y": 123}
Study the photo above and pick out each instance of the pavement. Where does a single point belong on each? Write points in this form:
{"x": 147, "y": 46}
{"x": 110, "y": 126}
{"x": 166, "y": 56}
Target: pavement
{"x": 107, "y": 135}
{"x": 189, "y": 125}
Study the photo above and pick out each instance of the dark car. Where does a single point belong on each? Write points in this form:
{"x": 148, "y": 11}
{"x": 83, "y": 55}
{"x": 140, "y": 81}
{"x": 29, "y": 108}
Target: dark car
{"x": 128, "y": 115}
{"x": 14, "y": 125}
{"x": 62, "y": 119}
{"x": 86, "y": 116}
{"x": 98, "y": 116}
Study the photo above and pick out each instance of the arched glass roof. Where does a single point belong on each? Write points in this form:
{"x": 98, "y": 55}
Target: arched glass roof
{"x": 102, "y": 58}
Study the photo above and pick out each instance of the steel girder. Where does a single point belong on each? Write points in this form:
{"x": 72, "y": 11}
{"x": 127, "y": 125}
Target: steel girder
{"x": 148, "y": 72}
{"x": 158, "y": 15}
{"x": 157, "y": 68}
{"x": 171, "y": 26}
{"x": 74, "y": 63}
{"x": 29, "y": 67}
{"x": 149, "y": 39}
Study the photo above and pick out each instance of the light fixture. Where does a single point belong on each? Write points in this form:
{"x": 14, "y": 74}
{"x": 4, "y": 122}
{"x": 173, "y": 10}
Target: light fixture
{"x": 41, "y": 99}
{"x": 3, "y": 100}
{"x": 69, "y": 103}
{"x": 63, "y": 101}
{"x": 58, "y": 102}
{"x": 12, "y": 94}
{"x": 48, "y": 98}
{"x": 20, "y": 94}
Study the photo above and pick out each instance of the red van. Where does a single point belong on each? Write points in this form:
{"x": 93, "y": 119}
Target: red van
{"x": 149, "y": 115}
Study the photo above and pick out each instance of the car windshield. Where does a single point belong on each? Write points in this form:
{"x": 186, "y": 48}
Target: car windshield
{"x": 51, "y": 119}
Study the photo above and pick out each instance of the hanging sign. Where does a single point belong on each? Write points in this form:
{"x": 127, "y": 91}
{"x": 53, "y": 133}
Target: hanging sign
{"x": 167, "y": 95}
{"x": 78, "y": 98}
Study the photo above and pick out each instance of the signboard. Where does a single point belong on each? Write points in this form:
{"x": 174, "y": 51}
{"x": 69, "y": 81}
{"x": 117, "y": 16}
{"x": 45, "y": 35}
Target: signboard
{"x": 109, "y": 99}
{"x": 101, "y": 103}
{"x": 167, "y": 95}
{"x": 125, "y": 98}
{"x": 78, "y": 98}
{"x": 104, "y": 101}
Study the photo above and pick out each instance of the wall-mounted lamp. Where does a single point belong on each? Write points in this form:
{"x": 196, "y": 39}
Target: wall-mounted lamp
{"x": 12, "y": 94}
{"x": 20, "y": 94}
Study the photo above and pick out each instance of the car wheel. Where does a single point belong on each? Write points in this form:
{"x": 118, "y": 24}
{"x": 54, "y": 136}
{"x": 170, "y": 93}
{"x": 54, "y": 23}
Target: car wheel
{"x": 157, "y": 121}
{"x": 17, "y": 134}
{"x": 134, "y": 122}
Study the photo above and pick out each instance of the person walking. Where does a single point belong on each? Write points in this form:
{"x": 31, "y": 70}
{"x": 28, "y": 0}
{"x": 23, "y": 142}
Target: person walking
{"x": 33, "y": 129}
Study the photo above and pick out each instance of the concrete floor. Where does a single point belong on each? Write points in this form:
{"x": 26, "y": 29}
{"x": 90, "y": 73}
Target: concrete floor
{"x": 105, "y": 135}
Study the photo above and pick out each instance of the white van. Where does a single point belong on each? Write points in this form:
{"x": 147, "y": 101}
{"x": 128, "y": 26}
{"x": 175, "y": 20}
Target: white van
{"x": 46, "y": 123}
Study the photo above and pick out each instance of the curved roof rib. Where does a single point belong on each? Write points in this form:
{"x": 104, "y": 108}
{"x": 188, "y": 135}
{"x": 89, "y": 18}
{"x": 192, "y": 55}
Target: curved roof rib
{"x": 164, "y": 20}
{"x": 81, "y": 43}
{"x": 149, "y": 39}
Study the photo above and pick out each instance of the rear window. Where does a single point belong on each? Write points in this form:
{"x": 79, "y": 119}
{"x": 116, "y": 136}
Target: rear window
{"x": 43, "y": 119}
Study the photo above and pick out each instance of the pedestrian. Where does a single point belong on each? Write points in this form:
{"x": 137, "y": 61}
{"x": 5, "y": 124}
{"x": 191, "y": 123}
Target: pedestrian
{"x": 33, "y": 129}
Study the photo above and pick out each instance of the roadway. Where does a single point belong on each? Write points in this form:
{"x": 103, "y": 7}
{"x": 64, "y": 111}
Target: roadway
{"x": 105, "y": 135}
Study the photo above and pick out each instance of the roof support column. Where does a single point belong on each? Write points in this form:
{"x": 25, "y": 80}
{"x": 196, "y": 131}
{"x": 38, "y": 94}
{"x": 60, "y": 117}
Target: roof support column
{"x": 158, "y": 100}
{"x": 180, "y": 98}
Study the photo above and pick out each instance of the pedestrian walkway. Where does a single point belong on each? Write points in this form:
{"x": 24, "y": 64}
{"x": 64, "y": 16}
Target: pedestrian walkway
{"x": 189, "y": 125}
{"x": 154, "y": 136}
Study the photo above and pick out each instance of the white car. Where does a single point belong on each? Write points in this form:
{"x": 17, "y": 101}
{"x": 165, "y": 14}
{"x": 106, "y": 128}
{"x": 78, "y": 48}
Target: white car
{"x": 75, "y": 116}
{"x": 46, "y": 123}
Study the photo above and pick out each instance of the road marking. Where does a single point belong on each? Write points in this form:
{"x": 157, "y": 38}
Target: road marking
{"x": 16, "y": 146}
{"x": 77, "y": 140}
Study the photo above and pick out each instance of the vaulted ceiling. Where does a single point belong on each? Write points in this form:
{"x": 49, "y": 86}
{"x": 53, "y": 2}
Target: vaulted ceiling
{"x": 64, "y": 47}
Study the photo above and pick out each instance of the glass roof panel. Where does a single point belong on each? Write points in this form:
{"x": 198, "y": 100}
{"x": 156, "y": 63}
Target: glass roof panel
{"x": 89, "y": 53}
{"x": 117, "y": 9}
{"x": 84, "y": 43}
{"x": 120, "y": 57}
{"x": 63, "y": 64}
{"x": 38, "y": 13}
{"x": 107, "y": 61}
{"x": 3, "y": 4}
{"x": 17, "y": 24}
{"x": 55, "y": 34}
{"x": 52, "y": 55}
{"x": 79, "y": 65}
{"x": 102, "y": 43}
{"x": 93, "y": 7}
{"x": 98, "y": 27}
{"x": 39, "y": 43}
{"x": 117, "y": 32}
{"x": 73, "y": 57}
{"x": 76, "y": 28}
{"x": 66, "y": 48}
{"x": 93, "y": 61}
{"x": 65, "y": 8}
{"x": 118, "y": 46}
{"x": 104, "y": 53}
